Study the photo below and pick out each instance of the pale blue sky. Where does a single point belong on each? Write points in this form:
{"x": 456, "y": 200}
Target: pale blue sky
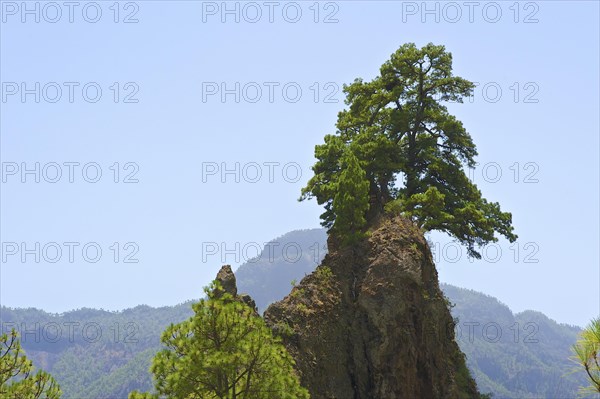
{"x": 170, "y": 56}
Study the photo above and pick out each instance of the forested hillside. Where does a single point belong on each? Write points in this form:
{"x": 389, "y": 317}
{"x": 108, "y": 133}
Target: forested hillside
{"x": 523, "y": 355}
{"x": 101, "y": 354}
{"x": 94, "y": 353}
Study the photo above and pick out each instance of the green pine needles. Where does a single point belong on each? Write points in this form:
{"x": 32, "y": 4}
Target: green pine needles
{"x": 586, "y": 353}
{"x": 351, "y": 199}
{"x": 224, "y": 351}
{"x": 398, "y": 149}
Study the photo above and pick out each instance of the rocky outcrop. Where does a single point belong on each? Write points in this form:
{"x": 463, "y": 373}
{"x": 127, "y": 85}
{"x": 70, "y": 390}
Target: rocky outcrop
{"x": 226, "y": 278}
{"x": 227, "y": 281}
{"x": 371, "y": 322}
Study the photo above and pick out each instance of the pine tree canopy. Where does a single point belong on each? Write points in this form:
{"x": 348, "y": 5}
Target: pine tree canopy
{"x": 398, "y": 149}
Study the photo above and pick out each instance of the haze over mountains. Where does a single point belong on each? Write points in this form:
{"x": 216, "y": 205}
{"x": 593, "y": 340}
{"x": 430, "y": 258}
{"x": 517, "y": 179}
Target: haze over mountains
{"x": 100, "y": 354}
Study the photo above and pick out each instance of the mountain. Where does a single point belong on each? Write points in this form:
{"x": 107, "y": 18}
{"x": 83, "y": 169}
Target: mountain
{"x": 523, "y": 355}
{"x": 268, "y": 277}
{"x": 94, "y": 353}
{"x": 117, "y": 362}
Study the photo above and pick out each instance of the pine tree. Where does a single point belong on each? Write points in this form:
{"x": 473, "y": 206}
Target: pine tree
{"x": 351, "y": 201}
{"x": 224, "y": 351}
{"x": 412, "y": 150}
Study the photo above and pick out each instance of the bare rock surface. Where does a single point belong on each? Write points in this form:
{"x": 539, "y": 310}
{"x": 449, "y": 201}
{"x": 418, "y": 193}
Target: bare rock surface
{"x": 372, "y": 322}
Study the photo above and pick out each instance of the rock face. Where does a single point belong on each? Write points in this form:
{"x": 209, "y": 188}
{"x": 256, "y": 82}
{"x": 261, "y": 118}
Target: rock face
{"x": 371, "y": 322}
{"x": 226, "y": 278}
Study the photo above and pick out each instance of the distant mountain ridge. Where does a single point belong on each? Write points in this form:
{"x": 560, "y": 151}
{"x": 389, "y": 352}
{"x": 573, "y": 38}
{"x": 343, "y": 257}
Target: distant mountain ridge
{"x": 528, "y": 360}
{"x": 523, "y": 355}
{"x": 268, "y": 277}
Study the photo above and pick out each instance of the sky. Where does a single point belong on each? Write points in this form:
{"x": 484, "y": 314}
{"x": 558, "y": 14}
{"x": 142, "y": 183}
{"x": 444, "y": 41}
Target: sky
{"x": 146, "y": 143}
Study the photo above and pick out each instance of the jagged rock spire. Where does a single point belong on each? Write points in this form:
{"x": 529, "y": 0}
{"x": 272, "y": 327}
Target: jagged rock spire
{"x": 227, "y": 280}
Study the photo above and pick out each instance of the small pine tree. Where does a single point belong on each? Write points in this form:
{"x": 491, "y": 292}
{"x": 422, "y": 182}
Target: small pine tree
{"x": 351, "y": 200}
{"x": 224, "y": 351}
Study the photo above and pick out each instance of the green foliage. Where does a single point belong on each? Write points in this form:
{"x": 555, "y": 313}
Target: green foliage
{"x": 302, "y": 308}
{"x": 142, "y": 395}
{"x": 283, "y": 329}
{"x": 324, "y": 273}
{"x": 16, "y": 378}
{"x": 395, "y": 206}
{"x": 351, "y": 201}
{"x": 586, "y": 352}
{"x": 397, "y": 125}
{"x": 224, "y": 351}
{"x": 109, "y": 367}
{"x": 123, "y": 379}
{"x": 530, "y": 358}
{"x": 297, "y": 293}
